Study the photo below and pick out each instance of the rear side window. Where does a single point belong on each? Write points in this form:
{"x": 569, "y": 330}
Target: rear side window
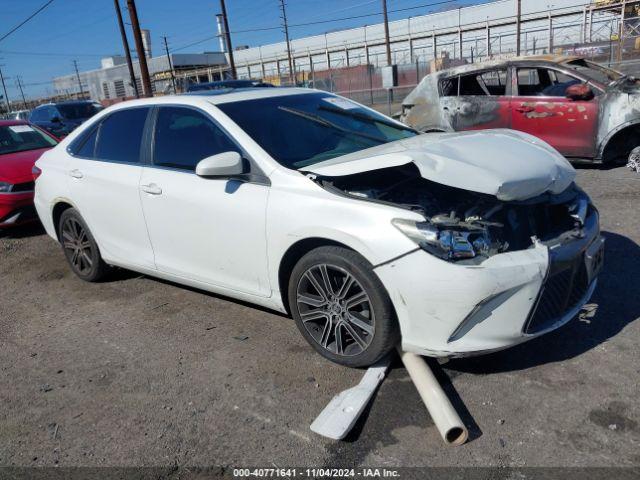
{"x": 184, "y": 136}
{"x": 120, "y": 136}
{"x": 87, "y": 145}
{"x": 488, "y": 83}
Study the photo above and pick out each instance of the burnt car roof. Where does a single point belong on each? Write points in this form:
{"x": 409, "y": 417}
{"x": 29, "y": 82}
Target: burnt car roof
{"x": 535, "y": 59}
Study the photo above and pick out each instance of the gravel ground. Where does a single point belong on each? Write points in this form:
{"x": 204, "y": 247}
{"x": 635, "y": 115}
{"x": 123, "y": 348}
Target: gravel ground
{"x": 141, "y": 372}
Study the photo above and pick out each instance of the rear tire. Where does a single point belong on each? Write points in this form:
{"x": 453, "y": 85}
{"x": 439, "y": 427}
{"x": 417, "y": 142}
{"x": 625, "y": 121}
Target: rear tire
{"x": 80, "y": 248}
{"x": 341, "y": 307}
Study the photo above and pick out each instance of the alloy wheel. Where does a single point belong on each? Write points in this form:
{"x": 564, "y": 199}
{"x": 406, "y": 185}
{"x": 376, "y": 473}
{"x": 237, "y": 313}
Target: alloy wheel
{"x": 77, "y": 246}
{"x": 335, "y": 310}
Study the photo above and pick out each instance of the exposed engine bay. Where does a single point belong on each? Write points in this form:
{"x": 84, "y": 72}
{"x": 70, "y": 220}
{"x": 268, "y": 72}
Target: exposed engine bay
{"x": 462, "y": 224}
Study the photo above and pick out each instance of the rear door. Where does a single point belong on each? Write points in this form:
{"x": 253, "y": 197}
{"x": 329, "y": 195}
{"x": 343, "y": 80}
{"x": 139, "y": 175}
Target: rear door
{"x": 540, "y": 107}
{"x": 477, "y": 100}
{"x": 103, "y": 177}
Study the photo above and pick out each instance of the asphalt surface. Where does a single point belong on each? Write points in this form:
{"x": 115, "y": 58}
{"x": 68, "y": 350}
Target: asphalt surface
{"x": 137, "y": 371}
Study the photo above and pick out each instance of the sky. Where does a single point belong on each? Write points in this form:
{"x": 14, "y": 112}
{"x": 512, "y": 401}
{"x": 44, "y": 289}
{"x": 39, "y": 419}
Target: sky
{"x": 87, "y": 30}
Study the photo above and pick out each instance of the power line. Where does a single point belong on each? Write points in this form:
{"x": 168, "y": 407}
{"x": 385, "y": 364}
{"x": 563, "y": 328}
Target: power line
{"x": 26, "y": 20}
{"x": 55, "y": 54}
{"x": 319, "y": 22}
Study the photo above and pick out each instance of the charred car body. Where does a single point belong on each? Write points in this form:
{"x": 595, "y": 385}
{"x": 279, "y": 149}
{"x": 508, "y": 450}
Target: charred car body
{"x": 546, "y": 96}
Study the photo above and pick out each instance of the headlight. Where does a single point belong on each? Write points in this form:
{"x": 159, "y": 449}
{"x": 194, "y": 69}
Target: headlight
{"x": 446, "y": 243}
{"x": 5, "y": 187}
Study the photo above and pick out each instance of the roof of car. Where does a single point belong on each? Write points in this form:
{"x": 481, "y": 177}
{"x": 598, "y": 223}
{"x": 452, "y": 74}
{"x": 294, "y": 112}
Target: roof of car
{"x": 66, "y": 102}
{"x": 470, "y": 67}
{"x": 216, "y": 96}
{"x": 239, "y": 94}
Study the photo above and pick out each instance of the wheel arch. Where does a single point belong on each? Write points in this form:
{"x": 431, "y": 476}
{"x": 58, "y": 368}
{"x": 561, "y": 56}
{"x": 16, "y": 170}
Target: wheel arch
{"x": 291, "y": 257}
{"x": 615, "y": 137}
{"x": 59, "y": 207}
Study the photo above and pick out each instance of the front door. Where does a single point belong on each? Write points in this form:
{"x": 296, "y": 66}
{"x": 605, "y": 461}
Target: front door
{"x": 204, "y": 229}
{"x": 540, "y": 107}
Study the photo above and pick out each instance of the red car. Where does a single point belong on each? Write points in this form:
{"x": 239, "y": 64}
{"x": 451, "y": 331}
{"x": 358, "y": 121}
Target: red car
{"x": 21, "y": 144}
{"x": 584, "y": 110}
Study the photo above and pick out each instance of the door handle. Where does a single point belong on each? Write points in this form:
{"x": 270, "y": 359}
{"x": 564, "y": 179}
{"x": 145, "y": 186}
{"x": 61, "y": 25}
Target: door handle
{"x": 525, "y": 109}
{"x": 151, "y": 189}
{"x": 75, "y": 173}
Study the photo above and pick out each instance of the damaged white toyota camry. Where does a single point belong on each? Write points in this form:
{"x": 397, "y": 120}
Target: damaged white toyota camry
{"x": 366, "y": 232}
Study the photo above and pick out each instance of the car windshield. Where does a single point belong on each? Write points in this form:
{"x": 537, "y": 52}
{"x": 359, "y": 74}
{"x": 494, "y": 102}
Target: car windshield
{"x": 304, "y": 129}
{"x": 600, "y": 74}
{"x": 74, "y": 111}
{"x": 18, "y": 138}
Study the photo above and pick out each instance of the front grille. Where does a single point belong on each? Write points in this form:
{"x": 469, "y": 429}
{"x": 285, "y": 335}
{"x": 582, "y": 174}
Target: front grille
{"x": 23, "y": 187}
{"x": 561, "y": 292}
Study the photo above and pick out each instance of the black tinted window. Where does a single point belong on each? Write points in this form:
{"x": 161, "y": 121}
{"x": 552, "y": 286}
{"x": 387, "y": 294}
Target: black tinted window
{"x": 301, "y": 130}
{"x": 87, "y": 145}
{"x": 78, "y": 110}
{"x": 18, "y": 138}
{"x": 37, "y": 115}
{"x": 184, "y": 136}
{"x": 120, "y": 136}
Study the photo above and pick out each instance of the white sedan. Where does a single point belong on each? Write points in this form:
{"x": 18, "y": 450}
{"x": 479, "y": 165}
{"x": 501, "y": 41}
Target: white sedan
{"x": 301, "y": 201}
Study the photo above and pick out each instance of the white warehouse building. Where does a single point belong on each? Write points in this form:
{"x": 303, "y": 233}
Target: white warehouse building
{"x": 471, "y": 32}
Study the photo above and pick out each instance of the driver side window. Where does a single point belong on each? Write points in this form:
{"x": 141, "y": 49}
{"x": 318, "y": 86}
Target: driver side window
{"x": 184, "y": 136}
{"x": 543, "y": 82}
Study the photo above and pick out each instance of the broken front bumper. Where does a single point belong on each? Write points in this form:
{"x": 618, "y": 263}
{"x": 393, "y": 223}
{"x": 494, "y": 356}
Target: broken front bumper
{"x": 449, "y": 310}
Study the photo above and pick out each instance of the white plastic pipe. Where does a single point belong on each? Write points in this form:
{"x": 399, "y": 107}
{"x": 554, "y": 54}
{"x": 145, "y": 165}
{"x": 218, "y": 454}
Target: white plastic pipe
{"x": 444, "y": 416}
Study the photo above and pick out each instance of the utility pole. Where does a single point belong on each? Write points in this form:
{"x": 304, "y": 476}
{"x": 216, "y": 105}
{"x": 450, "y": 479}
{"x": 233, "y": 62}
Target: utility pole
{"x": 75, "y": 65}
{"x": 285, "y": 25}
{"x": 142, "y": 59}
{"x": 227, "y": 38}
{"x": 19, "y": 85}
{"x": 4, "y": 87}
{"x": 518, "y": 14}
{"x": 386, "y": 31}
{"x": 173, "y": 77}
{"x": 125, "y": 45}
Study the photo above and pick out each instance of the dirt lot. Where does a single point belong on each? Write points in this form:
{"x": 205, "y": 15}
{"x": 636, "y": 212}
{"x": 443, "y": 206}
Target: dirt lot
{"x": 137, "y": 371}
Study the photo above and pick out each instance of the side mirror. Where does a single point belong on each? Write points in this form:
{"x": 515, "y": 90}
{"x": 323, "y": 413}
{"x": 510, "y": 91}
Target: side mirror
{"x": 580, "y": 91}
{"x": 225, "y": 165}
{"x": 56, "y": 120}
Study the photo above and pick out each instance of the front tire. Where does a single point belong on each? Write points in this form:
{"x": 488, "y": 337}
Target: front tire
{"x": 80, "y": 248}
{"x": 341, "y": 307}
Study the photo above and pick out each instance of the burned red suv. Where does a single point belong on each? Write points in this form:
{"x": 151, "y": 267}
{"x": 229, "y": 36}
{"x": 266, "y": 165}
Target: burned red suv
{"x": 584, "y": 110}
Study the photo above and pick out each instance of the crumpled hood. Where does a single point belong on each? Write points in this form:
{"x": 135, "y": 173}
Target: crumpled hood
{"x": 508, "y": 164}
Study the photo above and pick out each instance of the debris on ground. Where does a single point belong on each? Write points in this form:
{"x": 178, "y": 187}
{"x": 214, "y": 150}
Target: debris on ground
{"x": 634, "y": 160}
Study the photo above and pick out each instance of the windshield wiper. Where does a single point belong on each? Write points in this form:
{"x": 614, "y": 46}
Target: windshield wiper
{"x": 365, "y": 118}
{"x": 328, "y": 124}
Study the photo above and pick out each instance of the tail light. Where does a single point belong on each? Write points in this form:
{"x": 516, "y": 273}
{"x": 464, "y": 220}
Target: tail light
{"x": 36, "y": 172}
